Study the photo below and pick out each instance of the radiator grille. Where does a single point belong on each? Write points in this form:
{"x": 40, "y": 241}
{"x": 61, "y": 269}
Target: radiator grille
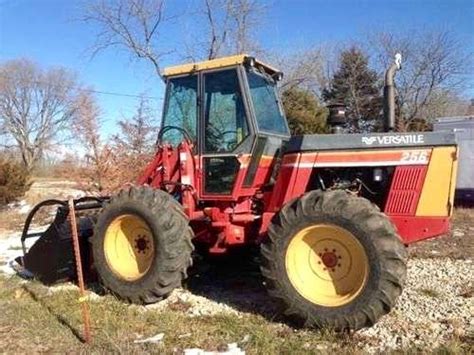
{"x": 405, "y": 190}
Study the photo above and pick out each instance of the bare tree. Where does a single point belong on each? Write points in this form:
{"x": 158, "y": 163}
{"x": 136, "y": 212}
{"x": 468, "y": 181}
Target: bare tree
{"x": 247, "y": 16}
{"x": 112, "y": 163}
{"x": 470, "y": 109}
{"x": 138, "y": 27}
{"x": 435, "y": 65}
{"x": 36, "y": 105}
{"x": 307, "y": 69}
{"x": 98, "y": 156}
{"x": 447, "y": 104}
{"x": 137, "y": 133}
{"x": 217, "y": 13}
{"x": 229, "y": 26}
{"x": 134, "y": 145}
{"x": 133, "y": 25}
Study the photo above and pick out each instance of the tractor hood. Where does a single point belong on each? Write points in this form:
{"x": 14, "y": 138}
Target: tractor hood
{"x": 314, "y": 142}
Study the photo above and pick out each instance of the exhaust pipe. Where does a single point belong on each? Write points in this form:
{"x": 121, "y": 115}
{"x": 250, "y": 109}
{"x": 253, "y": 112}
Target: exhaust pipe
{"x": 389, "y": 94}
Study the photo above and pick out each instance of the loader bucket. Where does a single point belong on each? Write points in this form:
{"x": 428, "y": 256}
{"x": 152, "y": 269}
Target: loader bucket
{"x": 51, "y": 259}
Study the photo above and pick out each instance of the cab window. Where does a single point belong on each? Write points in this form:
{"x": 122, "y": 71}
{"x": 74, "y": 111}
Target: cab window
{"x": 180, "y": 109}
{"x": 225, "y": 122}
{"x": 268, "y": 111}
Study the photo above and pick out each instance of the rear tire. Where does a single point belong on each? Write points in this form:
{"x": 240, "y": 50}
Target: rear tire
{"x": 142, "y": 245}
{"x": 333, "y": 260}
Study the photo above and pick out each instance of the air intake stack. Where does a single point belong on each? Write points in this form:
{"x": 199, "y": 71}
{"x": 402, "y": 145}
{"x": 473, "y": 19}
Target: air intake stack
{"x": 337, "y": 117}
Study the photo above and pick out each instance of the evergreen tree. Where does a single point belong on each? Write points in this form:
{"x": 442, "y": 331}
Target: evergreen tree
{"x": 355, "y": 85}
{"x": 304, "y": 114}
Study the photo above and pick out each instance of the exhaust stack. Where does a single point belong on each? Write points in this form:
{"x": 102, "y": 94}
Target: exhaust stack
{"x": 389, "y": 94}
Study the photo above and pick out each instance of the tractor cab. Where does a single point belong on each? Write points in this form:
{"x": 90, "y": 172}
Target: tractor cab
{"x": 229, "y": 112}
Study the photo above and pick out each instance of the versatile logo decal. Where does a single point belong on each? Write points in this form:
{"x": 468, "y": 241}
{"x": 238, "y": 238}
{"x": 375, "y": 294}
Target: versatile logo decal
{"x": 369, "y": 140}
{"x": 400, "y": 139}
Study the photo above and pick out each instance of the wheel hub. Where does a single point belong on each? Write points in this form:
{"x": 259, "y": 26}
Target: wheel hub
{"x": 141, "y": 244}
{"x": 327, "y": 265}
{"x": 129, "y": 247}
{"x": 329, "y": 259}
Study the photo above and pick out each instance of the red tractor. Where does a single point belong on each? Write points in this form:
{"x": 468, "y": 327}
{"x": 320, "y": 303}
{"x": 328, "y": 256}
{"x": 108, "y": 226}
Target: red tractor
{"x": 331, "y": 213}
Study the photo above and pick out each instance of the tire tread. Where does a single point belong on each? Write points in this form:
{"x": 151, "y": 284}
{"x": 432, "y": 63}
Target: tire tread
{"x": 391, "y": 253}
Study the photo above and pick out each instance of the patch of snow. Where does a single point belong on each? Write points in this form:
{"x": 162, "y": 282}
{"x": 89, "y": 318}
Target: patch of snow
{"x": 232, "y": 349}
{"x": 156, "y": 339}
{"x": 25, "y": 208}
{"x": 19, "y": 206}
{"x": 10, "y": 249}
{"x": 62, "y": 287}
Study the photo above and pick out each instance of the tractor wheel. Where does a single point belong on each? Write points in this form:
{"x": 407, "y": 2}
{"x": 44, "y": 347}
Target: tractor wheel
{"x": 334, "y": 261}
{"x": 142, "y": 245}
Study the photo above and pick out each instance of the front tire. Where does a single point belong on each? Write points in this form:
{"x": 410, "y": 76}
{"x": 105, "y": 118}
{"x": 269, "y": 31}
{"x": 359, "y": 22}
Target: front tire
{"x": 142, "y": 245}
{"x": 333, "y": 260}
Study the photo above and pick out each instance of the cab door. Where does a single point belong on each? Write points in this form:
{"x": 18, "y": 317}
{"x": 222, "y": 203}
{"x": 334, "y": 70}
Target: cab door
{"x": 226, "y": 132}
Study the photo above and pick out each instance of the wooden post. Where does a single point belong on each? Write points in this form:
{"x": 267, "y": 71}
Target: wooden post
{"x": 80, "y": 276}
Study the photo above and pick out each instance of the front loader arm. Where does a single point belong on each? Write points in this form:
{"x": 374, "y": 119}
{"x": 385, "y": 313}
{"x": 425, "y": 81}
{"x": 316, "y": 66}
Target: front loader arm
{"x": 173, "y": 170}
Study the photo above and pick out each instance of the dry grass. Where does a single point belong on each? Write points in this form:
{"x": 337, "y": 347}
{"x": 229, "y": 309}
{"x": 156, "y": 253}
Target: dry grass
{"x": 36, "y": 320}
{"x": 46, "y": 188}
{"x": 42, "y": 189}
{"x": 10, "y": 220}
{"x": 429, "y": 292}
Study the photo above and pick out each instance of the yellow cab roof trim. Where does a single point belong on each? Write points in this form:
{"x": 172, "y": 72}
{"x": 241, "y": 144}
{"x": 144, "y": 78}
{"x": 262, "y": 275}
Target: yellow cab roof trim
{"x": 214, "y": 64}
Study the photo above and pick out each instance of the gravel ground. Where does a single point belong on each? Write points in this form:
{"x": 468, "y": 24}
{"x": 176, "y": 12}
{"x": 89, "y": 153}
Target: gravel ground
{"x": 436, "y": 306}
{"x": 191, "y": 304}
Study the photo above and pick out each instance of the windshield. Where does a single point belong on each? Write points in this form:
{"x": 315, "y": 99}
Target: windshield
{"x": 268, "y": 112}
{"x": 180, "y": 110}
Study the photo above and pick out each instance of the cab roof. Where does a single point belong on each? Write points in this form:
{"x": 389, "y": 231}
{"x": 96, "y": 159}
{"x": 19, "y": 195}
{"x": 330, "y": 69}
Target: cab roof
{"x": 217, "y": 63}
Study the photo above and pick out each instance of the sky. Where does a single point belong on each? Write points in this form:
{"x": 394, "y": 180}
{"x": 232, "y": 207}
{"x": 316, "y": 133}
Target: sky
{"x": 49, "y": 33}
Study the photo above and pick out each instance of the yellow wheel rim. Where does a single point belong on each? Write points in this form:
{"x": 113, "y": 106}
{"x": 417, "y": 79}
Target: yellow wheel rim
{"x": 129, "y": 247}
{"x": 327, "y": 265}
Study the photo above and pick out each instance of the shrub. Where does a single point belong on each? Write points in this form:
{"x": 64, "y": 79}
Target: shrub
{"x": 14, "y": 181}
